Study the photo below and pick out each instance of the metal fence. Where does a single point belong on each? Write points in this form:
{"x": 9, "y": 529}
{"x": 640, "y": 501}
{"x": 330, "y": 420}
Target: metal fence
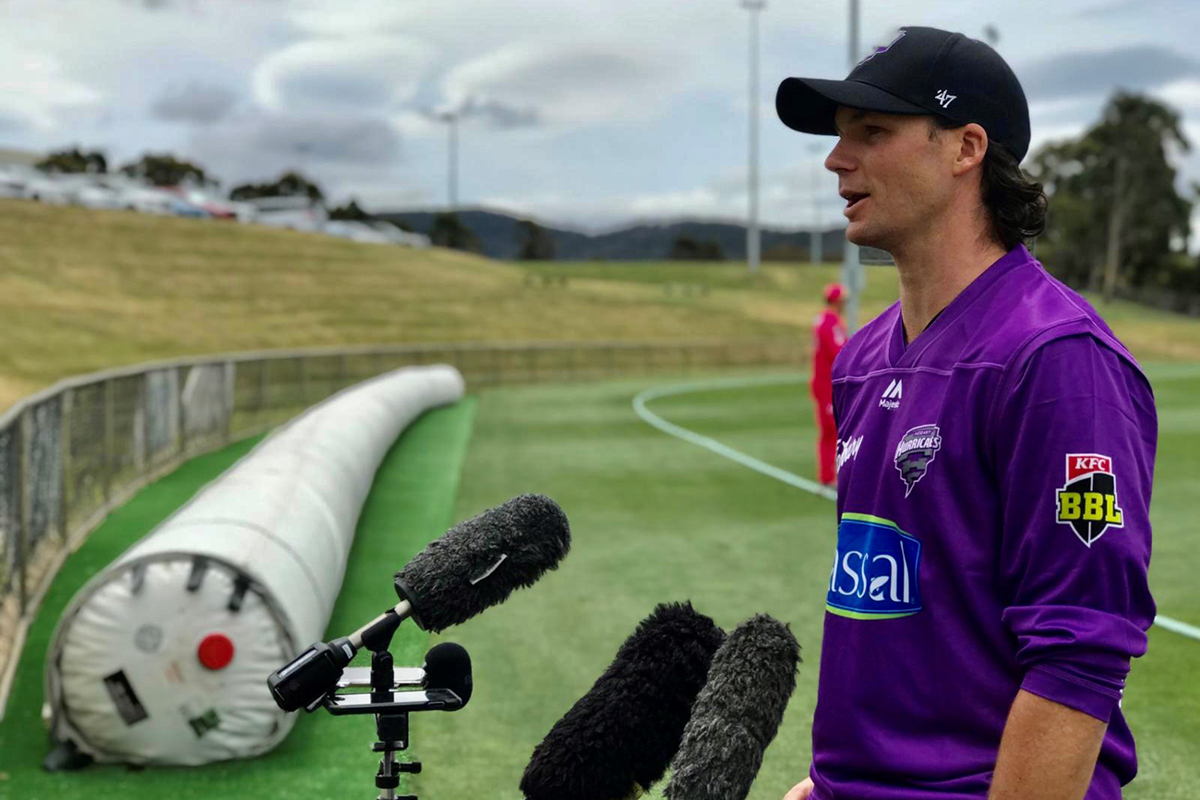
{"x": 72, "y": 453}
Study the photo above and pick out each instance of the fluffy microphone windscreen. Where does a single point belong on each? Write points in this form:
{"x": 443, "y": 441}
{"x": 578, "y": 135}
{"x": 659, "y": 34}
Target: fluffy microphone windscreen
{"x": 737, "y": 713}
{"x": 480, "y": 562}
{"x": 620, "y": 736}
{"x": 448, "y": 666}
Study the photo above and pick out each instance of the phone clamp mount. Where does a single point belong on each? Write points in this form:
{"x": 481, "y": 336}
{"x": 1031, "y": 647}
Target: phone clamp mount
{"x": 391, "y": 707}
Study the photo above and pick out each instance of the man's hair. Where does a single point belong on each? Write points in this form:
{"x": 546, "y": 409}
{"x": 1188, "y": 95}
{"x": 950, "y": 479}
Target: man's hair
{"x": 1016, "y": 205}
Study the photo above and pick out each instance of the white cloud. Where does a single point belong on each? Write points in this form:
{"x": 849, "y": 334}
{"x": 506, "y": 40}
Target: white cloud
{"x": 363, "y": 73}
{"x": 569, "y": 84}
{"x": 35, "y": 87}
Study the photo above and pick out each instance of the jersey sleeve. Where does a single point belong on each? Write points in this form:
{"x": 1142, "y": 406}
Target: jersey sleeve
{"x": 1074, "y": 438}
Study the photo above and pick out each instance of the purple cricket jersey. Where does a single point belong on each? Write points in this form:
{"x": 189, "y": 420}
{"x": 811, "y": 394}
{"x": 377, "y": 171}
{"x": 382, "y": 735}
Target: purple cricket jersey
{"x": 993, "y": 535}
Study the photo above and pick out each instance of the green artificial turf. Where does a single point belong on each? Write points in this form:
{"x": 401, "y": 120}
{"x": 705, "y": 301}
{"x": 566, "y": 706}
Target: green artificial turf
{"x": 655, "y": 518}
{"x": 324, "y": 757}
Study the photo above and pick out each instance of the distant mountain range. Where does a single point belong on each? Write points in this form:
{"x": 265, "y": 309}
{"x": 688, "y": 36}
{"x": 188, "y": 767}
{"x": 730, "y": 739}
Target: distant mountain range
{"x": 501, "y": 238}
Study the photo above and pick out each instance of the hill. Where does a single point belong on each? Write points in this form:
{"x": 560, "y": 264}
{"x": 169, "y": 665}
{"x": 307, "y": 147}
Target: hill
{"x": 501, "y": 237}
{"x": 83, "y": 290}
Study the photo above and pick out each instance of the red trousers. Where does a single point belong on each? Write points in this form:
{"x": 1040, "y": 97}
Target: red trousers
{"x": 826, "y": 439}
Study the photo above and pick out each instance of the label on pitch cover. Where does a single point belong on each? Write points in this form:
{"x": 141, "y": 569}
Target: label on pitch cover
{"x": 876, "y": 573}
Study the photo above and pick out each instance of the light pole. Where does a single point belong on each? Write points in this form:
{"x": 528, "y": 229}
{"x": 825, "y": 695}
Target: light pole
{"x": 851, "y": 266}
{"x": 451, "y": 120}
{"x": 752, "y": 235}
{"x": 816, "y": 246}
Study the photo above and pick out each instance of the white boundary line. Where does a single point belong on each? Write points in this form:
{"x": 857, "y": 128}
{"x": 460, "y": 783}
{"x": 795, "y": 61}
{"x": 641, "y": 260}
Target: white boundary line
{"x": 639, "y": 407}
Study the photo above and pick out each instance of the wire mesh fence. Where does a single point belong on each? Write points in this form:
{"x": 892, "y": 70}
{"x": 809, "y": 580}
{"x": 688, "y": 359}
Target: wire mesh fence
{"x": 73, "y": 452}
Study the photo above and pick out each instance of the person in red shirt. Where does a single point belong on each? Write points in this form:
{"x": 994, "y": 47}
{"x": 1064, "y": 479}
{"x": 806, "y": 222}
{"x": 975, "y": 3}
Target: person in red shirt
{"x": 830, "y": 335}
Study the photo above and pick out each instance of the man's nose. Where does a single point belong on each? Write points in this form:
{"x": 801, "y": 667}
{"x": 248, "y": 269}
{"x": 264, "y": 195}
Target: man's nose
{"x": 839, "y": 159}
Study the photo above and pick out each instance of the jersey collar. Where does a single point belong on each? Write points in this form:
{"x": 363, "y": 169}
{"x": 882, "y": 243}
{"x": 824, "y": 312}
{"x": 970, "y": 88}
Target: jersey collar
{"x": 900, "y": 355}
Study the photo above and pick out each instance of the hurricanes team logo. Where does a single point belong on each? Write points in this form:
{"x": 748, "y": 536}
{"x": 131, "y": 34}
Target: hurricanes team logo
{"x": 1088, "y": 500}
{"x": 915, "y": 453}
{"x": 885, "y": 48}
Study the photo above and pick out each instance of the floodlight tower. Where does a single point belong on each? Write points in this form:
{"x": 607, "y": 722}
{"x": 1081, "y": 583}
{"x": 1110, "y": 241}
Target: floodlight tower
{"x": 815, "y": 247}
{"x": 752, "y": 233}
{"x": 851, "y": 266}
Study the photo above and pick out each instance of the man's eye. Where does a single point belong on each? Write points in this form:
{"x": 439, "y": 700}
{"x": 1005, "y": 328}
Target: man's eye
{"x": 874, "y": 130}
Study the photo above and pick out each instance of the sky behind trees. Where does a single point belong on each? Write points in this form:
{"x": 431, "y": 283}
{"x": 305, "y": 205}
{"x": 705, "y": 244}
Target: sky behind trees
{"x": 580, "y": 113}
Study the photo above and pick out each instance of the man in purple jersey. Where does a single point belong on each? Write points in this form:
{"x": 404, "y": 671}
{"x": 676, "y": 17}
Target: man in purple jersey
{"x": 989, "y": 586}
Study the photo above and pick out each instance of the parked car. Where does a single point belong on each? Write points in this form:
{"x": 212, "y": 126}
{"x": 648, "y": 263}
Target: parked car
{"x": 294, "y": 213}
{"x": 401, "y": 237}
{"x": 355, "y": 231}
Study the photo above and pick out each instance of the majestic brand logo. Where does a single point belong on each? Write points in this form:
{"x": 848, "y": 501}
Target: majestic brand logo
{"x": 1088, "y": 500}
{"x": 944, "y": 98}
{"x": 876, "y": 572}
{"x": 915, "y": 452}
{"x": 885, "y": 48}
{"x": 891, "y": 396}
{"x": 847, "y": 449}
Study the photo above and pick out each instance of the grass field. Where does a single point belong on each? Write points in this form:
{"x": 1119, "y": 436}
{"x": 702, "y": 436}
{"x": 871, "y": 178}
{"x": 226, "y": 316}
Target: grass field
{"x": 83, "y": 290}
{"x": 653, "y": 519}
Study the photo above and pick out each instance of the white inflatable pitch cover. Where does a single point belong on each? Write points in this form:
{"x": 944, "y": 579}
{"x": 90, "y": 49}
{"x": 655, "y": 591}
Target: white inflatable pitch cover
{"x": 163, "y": 657}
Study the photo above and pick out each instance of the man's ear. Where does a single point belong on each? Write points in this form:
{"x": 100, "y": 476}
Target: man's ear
{"x": 973, "y": 145}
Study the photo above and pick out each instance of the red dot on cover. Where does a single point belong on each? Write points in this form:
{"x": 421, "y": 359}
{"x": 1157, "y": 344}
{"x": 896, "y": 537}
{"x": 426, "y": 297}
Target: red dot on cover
{"x": 215, "y": 651}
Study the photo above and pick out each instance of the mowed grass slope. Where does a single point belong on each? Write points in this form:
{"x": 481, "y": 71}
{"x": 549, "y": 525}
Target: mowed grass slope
{"x": 657, "y": 519}
{"x": 83, "y": 290}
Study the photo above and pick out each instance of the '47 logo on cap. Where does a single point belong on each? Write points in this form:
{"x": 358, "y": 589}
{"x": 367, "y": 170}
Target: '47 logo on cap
{"x": 1088, "y": 500}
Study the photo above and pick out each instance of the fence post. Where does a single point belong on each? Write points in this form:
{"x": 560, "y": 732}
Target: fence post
{"x": 110, "y": 432}
{"x": 23, "y": 507}
{"x": 230, "y": 373}
{"x": 180, "y": 410}
{"x": 302, "y": 374}
{"x": 66, "y": 406}
{"x": 143, "y": 455}
{"x": 263, "y": 363}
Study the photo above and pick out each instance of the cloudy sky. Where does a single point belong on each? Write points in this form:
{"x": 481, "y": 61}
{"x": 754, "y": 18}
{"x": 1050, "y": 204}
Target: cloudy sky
{"x": 580, "y": 112}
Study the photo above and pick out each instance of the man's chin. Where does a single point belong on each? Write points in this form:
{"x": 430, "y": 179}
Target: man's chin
{"x": 861, "y": 235}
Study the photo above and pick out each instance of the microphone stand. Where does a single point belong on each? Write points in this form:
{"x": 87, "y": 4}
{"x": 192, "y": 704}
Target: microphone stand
{"x": 391, "y": 708}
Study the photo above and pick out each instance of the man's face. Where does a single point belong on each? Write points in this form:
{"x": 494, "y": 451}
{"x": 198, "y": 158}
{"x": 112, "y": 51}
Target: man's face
{"x": 895, "y": 178}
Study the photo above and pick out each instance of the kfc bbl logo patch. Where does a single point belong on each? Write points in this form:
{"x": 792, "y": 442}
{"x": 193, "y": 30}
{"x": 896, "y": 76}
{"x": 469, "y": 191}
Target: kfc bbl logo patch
{"x": 1088, "y": 500}
{"x": 915, "y": 452}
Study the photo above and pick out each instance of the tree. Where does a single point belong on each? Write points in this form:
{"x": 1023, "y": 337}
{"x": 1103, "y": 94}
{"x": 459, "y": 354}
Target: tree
{"x": 685, "y": 248}
{"x": 74, "y": 161}
{"x": 290, "y": 184}
{"x": 449, "y": 231}
{"x": 536, "y": 244}
{"x": 351, "y": 211}
{"x": 1115, "y": 216}
{"x": 165, "y": 169}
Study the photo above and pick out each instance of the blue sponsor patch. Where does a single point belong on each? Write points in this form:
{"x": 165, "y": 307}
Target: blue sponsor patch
{"x": 876, "y": 572}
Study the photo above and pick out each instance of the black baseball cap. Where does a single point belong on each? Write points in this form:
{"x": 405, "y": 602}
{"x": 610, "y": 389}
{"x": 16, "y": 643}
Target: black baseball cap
{"x": 922, "y": 71}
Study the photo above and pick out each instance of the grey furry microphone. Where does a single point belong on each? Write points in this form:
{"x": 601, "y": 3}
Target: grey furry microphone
{"x": 480, "y": 562}
{"x": 618, "y": 739}
{"x": 737, "y": 713}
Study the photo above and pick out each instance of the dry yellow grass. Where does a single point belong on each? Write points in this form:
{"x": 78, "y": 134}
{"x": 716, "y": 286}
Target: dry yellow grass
{"x": 83, "y": 290}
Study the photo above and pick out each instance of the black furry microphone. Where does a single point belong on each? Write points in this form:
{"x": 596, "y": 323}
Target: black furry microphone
{"x": 737, "y": 713}
{"x": 619, "y": 737}
{"x": 480, "y": 562}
